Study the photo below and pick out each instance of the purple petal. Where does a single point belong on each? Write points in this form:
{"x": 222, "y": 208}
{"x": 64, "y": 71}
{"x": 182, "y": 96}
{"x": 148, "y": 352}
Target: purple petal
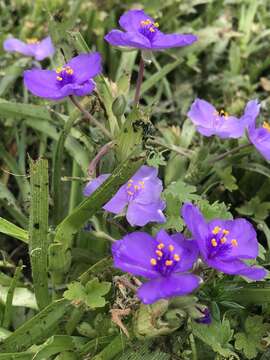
{"x": 196, "y": 225}
{"x": 85, "y": 66}
{"x": 165, "y": 41}
{"x": 15, "y": 45}
{"x": 78, "y": 89}
{"x": 131, "y": 39}
{"x": 190, "y": 252}
{"x": 260, "y": 138}
{"x": 133, "y": 254}
{"x": 131, "y": 20}
{"x": 42, "y": 83}
{"x": 141, "y": 214}
{"x": 237, "y": 267}
{"x": 94, "y": 184}
{"x": 44, "y": 49}
{"x": 166, "y": 287}
{"x": 251, "y": 112}
{"x": 146, "y": 173}
{"x": 117, "y": 202}
{"x": 245, "y": 235}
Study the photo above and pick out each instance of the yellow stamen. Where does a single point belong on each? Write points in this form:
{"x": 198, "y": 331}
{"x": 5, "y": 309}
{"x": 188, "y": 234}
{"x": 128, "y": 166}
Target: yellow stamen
{"x": 223, "y": 113}
{"x": 168, "y": 262}
{"x": 266, "y": 126}
{"x": 136, "y": 187}
{"x": 58, "y": 70}
{"x": 130, "y": 193}
{"x": 159, "y": 253}
{"x": 176, "y": 257}
{"x": 214, "y": 242}
{"x": 171, "y": 247}
{"x": 152, "y": 29}
{"x": 225, "y": 232}
{"x": 129, "y": 185}
{"x": 156, "y": 24}
{"x": 32, "y": 41}
{"x": 216, "y": 230}
{"x": 59, "y": 78}
{"x": 234, "y": 242}
{"x": 153, "y": 262}
{"x": 223, "y": 240}
{"x": 160, "y": 246}
{"x": 130, "y": 181}
{"x": 69, "y": 70}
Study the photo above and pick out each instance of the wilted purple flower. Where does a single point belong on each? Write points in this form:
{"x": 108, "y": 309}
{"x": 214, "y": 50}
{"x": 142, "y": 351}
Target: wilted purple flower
{"x": 209, "y": 121}
{"x": 142, "y": 32}
{"x": 224, "y": 243}
{"x": 74, "y": 78}
{"x": 141, "y": 196}
{"x": 162, "y": 260}
{"x": 205, "y": 318}
{"x": 37, "y": 49}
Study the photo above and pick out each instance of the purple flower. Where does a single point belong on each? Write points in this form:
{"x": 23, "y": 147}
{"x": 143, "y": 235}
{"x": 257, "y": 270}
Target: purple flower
{"x": 74, "y": 78}
{"x": 260, "y": 137}
{"x": 37, "y": 49}
{"x": 205, "y": 318}
{"x": 162, "y": 260}
{"x": 141, "y": 196}
{"x": 141, "y": 32}
{"x": 209, "y": 121}
{"x": 224, "y": 243}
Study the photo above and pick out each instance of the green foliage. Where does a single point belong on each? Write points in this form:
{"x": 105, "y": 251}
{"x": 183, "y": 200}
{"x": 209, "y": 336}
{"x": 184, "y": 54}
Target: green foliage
{"x": 249, "y": 341}
{"x": 92, "y": 294}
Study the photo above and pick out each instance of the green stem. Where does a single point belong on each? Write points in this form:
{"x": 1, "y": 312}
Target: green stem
{"x": 10, "y": 294}
{"x": 75, "y": 191}
{"x": 179, "y": 150}
{"x": 90, "y": 117}
{"x": 228, "y": 153}
{"x": 74, "y": 319}
{"x": 38, "y": 230}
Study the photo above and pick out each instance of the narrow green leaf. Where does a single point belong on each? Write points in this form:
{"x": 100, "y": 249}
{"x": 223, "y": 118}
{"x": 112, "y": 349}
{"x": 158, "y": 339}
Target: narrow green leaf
{"x": 15, "y": 231}
{"x": 37, "y": 328}
{"x": 38, "y": 229}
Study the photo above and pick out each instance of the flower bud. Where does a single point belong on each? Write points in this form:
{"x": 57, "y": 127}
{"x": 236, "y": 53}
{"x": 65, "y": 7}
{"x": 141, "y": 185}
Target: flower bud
{"x": 119, "y": 106}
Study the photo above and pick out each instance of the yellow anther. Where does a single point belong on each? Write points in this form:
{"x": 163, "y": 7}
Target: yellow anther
{"x": 176, "y": 257}
{"x": 160, "y": 246}
{"x": 159, "y": 253}
{"x": 156, "y": 24}
{"x": 141, "y": 183}
{"x": 223, "y": 113}
{"x": 130, "y": 193}
{"x": 168, "y": 262}
{"x": 69, "y": 70}
{"x": 136, "y": 187}
{"x": 32, "y": 41}
{"x": 266, "y": 126}
{"x": 153, "y": 262}
{"x": 214, "y": 242}
{"x": 223, "y": 240}
{"x": 129, "y": 185}
{"x": 225, "y": 232}
{"x": 216, "y": 230}
{"x": 59, "y": 78}
{"x": 152, "y": 29}
{"x": 58, "y": 70}
{"x": 234, "y": 242}
{"x": 171, "y": 247}
{"x": 130, "y": 181}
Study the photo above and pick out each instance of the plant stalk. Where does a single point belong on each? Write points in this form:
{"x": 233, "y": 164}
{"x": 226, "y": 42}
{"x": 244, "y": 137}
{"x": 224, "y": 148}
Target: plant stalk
{"x": 139, "y": 82}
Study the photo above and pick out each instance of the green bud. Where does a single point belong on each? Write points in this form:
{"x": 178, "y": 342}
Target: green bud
{"x": 85, "y": 329}
{"x": 119, "y": 106}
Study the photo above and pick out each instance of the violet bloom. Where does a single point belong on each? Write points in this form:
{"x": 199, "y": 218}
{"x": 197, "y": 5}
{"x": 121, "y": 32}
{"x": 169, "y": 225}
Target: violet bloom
{"x": 141, "y": 32}
{"x": 140, "y": 195}
{"x": 223, "y": 244}
{"x": 161, "y": 260}
{"x": 32, "y": 47}
{"x": 260, "y": 137}
{"x": 209, "y": 121}
{"x": 74, "y": 78}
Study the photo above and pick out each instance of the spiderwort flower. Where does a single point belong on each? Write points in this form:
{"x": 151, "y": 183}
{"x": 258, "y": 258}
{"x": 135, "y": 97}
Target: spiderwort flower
{"x": 224, "y": 243}
{"x": 74, "y": 78}
{"x": 161, "y": 260}
{"x": 209, "y": 121}
{"x": 142, "y": 32}
{"x": 141, "y": 196}
{"x": 32, "y": 47}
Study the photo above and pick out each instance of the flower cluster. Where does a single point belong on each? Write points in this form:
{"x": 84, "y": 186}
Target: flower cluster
{"x": 165, "y": 261}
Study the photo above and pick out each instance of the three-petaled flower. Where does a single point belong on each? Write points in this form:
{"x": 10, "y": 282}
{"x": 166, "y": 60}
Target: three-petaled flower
{"x": 224, "y": 244}
{"x": 209, "y": 121}
{"x": 142, "y": 32}
{"x": 74, "y": 78}
{"x": 162, "y": 260}
{"x": 141, "y": 196}
{"x": 32, "y": 47}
